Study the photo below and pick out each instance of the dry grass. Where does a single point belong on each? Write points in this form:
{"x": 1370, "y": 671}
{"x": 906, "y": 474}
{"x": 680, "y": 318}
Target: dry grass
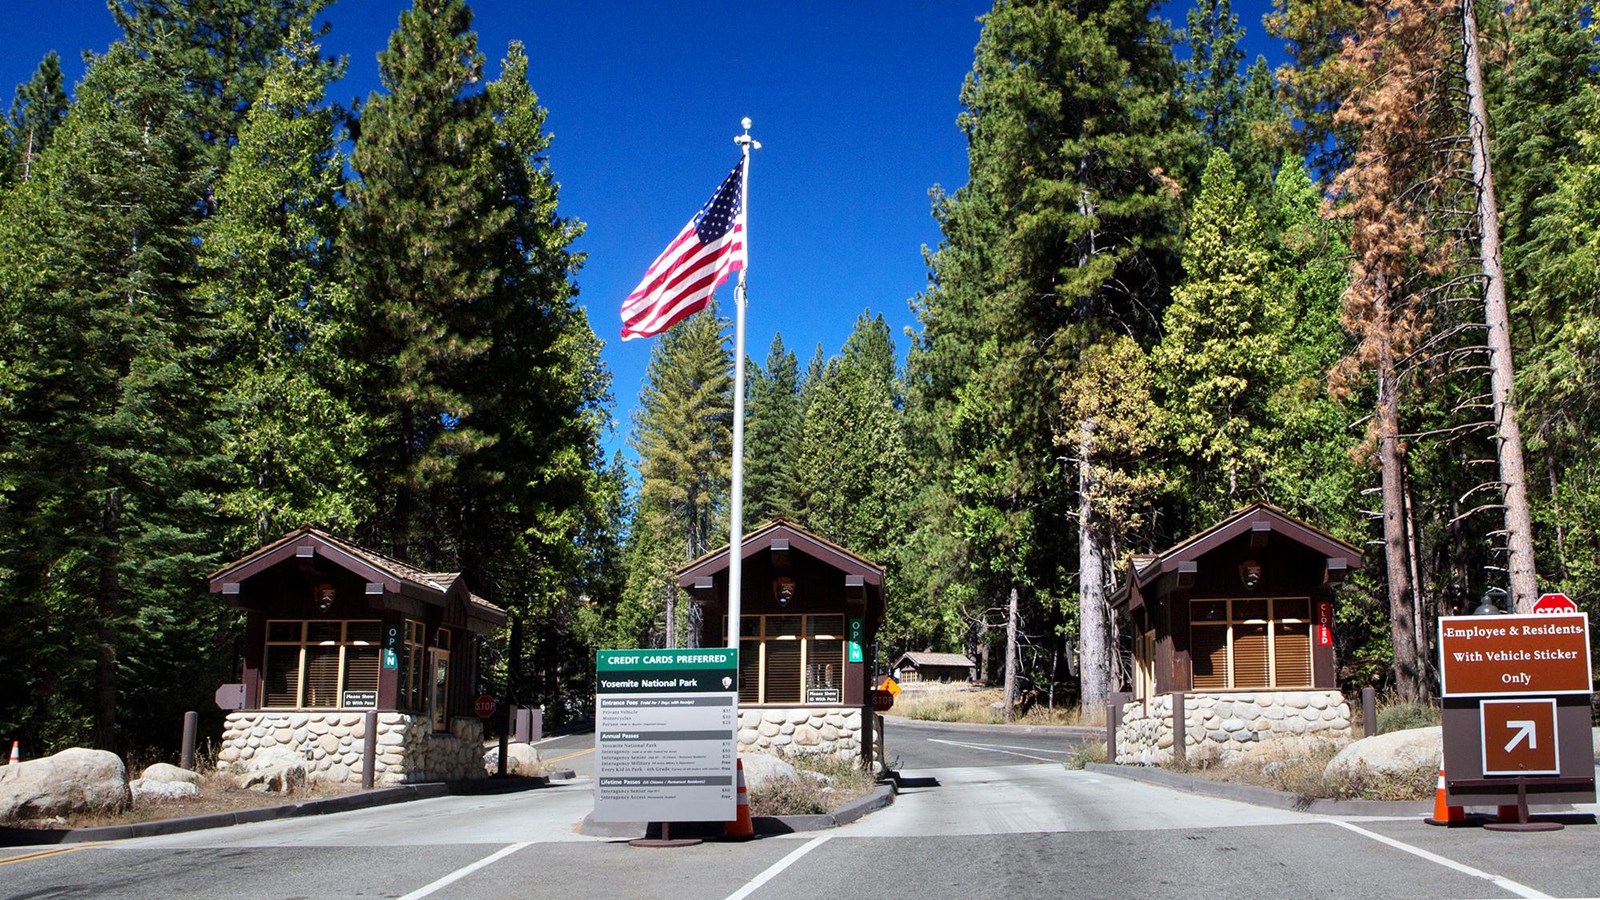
{"x": 218, "y": 793}
{"x": 940, "y": 703}
{"x": 823, "y": 784}
{"x": 1301, "y": 770}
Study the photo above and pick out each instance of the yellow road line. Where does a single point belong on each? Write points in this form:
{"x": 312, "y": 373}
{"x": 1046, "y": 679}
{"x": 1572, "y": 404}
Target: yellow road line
{"x": 41, "y": 854}
{"x": 568, "y": 756}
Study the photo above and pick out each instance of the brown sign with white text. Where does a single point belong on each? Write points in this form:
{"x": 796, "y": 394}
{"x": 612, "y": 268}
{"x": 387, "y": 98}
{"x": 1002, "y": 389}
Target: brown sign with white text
{"x": 1520, "y": 655}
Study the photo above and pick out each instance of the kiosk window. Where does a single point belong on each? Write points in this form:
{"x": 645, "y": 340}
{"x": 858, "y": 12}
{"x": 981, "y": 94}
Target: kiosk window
{"x": 782, "y": 657}
{"x": 1254, "y": 643}
{"x": 313, "y": 664}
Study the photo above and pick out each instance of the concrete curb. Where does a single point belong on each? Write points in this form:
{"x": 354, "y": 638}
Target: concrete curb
{"x": 1260, "y": 796}
{"x": 403, "y": 793}
{"x": 881, "y": 796}
{"x": 1073, "y": 731}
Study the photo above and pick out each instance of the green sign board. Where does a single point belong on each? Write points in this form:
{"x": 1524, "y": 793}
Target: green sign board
{"x": 856, "y": 634}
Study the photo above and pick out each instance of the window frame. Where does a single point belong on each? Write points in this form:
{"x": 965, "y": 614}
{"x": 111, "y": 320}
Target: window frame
{"x": 1271, "y": 624}
{"x": 807, "y": 657}
{"x": 303, "y": 644}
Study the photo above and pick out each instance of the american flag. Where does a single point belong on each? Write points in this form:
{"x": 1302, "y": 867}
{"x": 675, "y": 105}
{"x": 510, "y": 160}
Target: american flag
{"x": 681, "y": 280}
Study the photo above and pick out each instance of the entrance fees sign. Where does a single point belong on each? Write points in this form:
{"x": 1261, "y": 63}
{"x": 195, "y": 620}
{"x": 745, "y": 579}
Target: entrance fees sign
{"x": 1524, "y": 655}
{"x": 666, "y": 735}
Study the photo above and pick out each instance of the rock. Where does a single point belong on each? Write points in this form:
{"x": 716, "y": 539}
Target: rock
{"x": 145, "y": 791}
{"x": 169, "y": 773}
{"x": 74, "y": 780}
{"x": 521, "y": 759}
{"x": 1397, "y": 751}
{"x": 284, "y": 779}
{"x": 761, "y": 769}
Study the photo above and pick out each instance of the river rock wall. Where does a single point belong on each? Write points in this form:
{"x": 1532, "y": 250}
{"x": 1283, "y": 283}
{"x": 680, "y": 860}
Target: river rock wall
{"x": 1230, "y": 727}
{"x": 331, "y": 745}
{"x": 833, "y": 731}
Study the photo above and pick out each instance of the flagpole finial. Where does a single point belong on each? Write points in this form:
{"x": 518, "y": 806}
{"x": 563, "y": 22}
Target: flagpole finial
{"x": 745, "y": 140}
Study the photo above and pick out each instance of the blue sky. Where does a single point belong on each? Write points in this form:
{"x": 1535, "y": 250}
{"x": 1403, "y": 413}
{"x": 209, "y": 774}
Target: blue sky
{"x": 854, "y": 103}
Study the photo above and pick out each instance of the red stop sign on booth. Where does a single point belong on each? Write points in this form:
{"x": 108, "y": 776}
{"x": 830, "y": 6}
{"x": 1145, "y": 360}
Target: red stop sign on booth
{"x": 484, "y": 706}
{"x": 882, "y": 701}
{"x": 1555, "y": 603}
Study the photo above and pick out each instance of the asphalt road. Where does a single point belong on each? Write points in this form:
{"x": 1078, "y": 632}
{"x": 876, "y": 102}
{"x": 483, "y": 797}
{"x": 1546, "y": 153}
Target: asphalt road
{"x": 983, "y": 818}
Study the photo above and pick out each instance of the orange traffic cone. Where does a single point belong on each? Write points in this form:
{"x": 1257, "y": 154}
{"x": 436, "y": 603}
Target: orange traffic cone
{"x": 1443, "y": 812}
{"x": 740, "y": 829}
{"x": 1509, "y": 813}
{"x": 15, "y": 756}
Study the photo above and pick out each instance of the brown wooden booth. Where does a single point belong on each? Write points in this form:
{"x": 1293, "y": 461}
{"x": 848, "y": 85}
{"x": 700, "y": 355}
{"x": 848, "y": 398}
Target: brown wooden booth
{"x": 1246, "y": 605}
{"x": 332, "y": 626}
{"x": 809, "y": 614}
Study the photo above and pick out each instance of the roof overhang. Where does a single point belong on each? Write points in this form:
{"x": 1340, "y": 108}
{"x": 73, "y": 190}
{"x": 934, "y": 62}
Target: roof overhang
{"x": 1258, "y": 520}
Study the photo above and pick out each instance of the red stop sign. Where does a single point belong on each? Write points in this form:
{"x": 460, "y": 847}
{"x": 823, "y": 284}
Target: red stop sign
{"x": 1555, "y": 603}
{"x": 882, "y": 701}
{"x": 484, "y": 706}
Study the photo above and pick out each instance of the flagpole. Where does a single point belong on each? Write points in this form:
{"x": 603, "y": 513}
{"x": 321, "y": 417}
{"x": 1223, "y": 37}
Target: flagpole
{"x": 741, "y": 296}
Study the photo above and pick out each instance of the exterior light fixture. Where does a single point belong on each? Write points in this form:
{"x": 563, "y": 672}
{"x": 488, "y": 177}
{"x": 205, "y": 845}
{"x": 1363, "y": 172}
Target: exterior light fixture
{"x": 1492, "y": 600}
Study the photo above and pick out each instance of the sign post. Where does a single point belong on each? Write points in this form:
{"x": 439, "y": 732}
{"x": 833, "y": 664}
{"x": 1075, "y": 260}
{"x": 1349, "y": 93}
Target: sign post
{"x": 666, "y": 735}
{"x": 1516, "y": 710}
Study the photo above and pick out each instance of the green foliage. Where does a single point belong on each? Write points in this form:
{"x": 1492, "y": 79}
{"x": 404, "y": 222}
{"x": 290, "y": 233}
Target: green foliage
{"x": 774, "y": 415}
{"x": 1400, "y": 716}
{"x": 270, "y": 271}
{"x": 1216, "y": 358}
{"x": 36, "y": 112}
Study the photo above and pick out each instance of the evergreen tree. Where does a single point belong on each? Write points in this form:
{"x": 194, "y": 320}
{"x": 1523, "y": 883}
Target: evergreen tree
{"x": 36, "y": 112}
{"x": 852, "y": 458}
{"x": 1064, "y": 231}
{"x": 773, "y": 423}
{"x": 423, "y": 258}
{"x": 109, "y": 457}
{"x": 1217, "y": 356}
{"x": 270, "y": 265}
{"x": 1213, "y": 86}
{"x": 1266, "y": 133}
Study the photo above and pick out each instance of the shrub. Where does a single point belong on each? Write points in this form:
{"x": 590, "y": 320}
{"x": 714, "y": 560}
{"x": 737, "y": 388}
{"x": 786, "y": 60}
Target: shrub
{"x": 1400, "y": 716}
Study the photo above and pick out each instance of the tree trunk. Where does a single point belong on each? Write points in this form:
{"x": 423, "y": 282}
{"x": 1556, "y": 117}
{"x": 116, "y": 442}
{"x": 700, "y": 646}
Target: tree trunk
{"x": 1513, "y": 477}
{"x": 1419, "y": 608}
{"x": 108, "y": 612}
{"x": 1009, "y": 699}
{"x": 1392, "y": 467}
{"x": 1094, "y": 627}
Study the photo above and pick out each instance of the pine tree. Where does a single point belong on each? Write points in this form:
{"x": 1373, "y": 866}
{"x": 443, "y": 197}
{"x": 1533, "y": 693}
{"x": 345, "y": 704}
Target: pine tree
{"x": 773, "y": 426}
{"x": 1065, "y": 230}
{"x": 36, "y": 112}
{"x": 422, "y": 256}
{"x": 109, "y": 460}
{"x": 270, "y": 266}
{"x": 1216, "y": 360}
{"x": 1213, "y": 87}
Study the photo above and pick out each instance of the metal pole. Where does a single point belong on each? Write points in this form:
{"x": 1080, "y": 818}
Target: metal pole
{"x": 1369, "y": 711}
{"x": 369, "y": 751}
{"x": 191, "y": 725}
{"x": 1180, "y": 728}
{"x": 741, "y": 296}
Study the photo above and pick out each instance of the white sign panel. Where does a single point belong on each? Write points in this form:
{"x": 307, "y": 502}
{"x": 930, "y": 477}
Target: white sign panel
{"x": 666, "y": 735}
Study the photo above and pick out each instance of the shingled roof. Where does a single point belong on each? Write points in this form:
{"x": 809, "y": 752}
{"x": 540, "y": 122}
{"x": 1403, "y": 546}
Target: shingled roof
{"x": 381, "y": 572}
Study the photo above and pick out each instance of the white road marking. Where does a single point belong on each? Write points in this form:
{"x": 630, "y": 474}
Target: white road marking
{"x": 777, "y": 867}
{"x": 1521, "y": 890}
{"x": 996, "y": 748}
{"x": 464, "y": 871}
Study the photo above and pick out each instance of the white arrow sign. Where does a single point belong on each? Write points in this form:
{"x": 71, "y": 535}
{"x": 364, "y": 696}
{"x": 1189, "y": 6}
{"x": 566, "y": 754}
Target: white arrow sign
{"x": 1524, "y": 730}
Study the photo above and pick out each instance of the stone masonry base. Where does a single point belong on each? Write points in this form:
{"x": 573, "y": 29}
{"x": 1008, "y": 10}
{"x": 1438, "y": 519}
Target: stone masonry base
{"x": 834, "y": 731}
{"x": 1230, "y": 726}
{"x": 331, "y": 744}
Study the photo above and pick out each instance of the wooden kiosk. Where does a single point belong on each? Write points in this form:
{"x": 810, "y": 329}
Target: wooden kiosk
{"x": 809, "y": 612}
{"x": 1236, "y": 623}
{"x": 332, "y": 631}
